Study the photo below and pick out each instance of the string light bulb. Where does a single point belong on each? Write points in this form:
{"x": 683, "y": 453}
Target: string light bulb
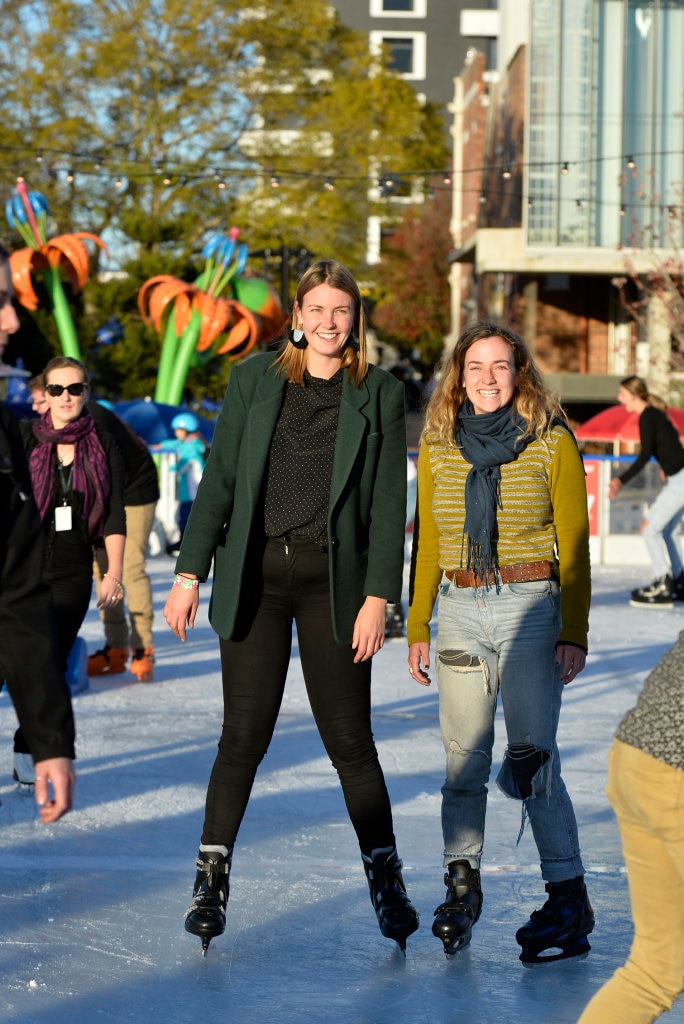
{"x": 565, "y": 168}
{"x": 630, "y": 162}
{"x": 275, "y": 181}
{"x": 506, "y": 173}
{"x": 329, "y": 184}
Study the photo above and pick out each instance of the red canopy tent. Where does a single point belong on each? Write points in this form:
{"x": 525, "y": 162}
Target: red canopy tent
{"x": 616, "y": 425}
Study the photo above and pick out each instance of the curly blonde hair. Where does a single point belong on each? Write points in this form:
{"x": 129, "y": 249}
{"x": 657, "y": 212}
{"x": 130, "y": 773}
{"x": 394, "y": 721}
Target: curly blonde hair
{"x": 292, "y": 360}
{"x": 532, "y": 399}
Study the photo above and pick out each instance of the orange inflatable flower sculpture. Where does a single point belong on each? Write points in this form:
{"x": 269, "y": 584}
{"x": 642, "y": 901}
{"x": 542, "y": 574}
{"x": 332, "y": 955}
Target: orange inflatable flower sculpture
{"x": 200, "y": 321}
{"x": 48, "y": 258}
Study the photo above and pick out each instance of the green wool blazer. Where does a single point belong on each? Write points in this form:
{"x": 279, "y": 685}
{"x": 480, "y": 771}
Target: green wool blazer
{"x": 367, "y": 510}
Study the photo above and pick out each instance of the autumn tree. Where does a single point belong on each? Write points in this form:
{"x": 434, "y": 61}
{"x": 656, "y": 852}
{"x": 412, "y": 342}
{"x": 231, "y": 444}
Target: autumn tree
{"x": 652, "y": 288}
{"x": 412, "y": 310}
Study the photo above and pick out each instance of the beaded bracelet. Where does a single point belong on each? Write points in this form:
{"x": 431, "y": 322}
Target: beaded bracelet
{"x": 118, "y": 582}
{"x": 185, "y": 582}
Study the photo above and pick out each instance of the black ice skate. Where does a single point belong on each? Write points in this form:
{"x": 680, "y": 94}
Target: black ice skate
{"x": 659, "y": 594}
{"x": 559, "y": 930}
{"x": 454, "y": 919}
{"x": 397, "y": 916}
{"x": 207, "y": 915}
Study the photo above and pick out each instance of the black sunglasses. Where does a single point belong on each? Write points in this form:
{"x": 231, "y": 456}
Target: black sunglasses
{"x": 74, "y": 389}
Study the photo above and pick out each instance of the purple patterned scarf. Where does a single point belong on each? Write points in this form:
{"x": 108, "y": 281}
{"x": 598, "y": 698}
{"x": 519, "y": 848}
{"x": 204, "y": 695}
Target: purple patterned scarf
{"x": 91, "y": 476}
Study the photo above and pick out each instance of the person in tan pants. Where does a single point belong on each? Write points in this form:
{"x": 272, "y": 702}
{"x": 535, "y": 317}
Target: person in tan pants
{"x": 141, "y": 493}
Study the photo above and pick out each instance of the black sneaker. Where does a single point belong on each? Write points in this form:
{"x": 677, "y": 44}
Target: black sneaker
{"x": 659, "y": 594}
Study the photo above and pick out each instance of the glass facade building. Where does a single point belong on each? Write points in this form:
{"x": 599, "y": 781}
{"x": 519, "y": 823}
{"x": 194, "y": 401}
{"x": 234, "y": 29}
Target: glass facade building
{"x": 605, "y": 135}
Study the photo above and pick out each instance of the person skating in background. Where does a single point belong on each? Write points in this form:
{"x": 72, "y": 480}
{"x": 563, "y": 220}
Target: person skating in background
{"x": 190, "y": 448}
{"x": 646, "y": 790}
{"x": 77, "y": 479}
{"x": 502, "y": 535}
{"x": 140, "y": 496}
{"x": 302, "y": 506}
{"x": 660, "y": 526}
{"x": 39, "y": 402}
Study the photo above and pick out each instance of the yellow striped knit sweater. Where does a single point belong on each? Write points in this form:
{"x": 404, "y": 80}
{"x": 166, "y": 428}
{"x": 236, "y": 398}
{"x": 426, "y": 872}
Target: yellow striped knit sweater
{"x": 543, "y": 516}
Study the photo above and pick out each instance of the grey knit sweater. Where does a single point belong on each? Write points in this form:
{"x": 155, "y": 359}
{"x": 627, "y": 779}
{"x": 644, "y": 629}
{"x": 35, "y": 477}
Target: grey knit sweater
{"x": 656, "y": 724}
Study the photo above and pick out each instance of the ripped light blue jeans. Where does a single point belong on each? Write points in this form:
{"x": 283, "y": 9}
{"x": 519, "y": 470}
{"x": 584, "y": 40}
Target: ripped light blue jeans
{"x": 493, "y": 641}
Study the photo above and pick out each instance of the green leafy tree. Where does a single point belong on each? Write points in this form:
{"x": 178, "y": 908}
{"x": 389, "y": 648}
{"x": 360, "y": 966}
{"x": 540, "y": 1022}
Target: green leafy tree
{"x": 153, "y": 122}
{"x": 146, "y": 107}
{"x": 412, "y": 309}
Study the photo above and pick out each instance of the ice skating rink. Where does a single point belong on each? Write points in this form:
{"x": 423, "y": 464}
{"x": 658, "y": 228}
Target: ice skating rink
{"x": 91, "y": 908}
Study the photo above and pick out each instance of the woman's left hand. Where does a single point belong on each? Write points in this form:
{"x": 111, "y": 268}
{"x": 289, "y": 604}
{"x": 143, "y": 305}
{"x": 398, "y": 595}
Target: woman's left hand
{"x": 111, "y": 591}
{"x": 571, "y": 660}
{"x": 369, "y": 628}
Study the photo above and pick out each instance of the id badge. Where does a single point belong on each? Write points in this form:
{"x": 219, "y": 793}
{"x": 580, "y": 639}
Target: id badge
{"x": 62, "y": 518}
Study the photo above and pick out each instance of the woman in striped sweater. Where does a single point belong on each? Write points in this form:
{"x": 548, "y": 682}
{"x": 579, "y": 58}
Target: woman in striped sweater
{"x": 501, "y": 535}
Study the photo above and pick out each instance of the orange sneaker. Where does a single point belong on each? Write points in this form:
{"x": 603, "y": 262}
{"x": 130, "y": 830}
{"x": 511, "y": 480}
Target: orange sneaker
{"x": 142, "y": 664}
{"x": 109, "y": 661}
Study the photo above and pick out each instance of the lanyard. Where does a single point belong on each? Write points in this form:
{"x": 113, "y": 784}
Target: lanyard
{"x": 65, "y": 473}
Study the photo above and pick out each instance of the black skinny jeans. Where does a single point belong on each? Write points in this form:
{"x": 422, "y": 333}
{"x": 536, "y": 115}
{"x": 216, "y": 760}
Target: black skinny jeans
{"x": 291, "y": 583}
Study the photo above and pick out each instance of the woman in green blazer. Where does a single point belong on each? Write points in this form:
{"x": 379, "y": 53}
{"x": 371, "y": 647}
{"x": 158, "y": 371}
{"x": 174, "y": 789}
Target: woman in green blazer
{"x": 301, "y": 508}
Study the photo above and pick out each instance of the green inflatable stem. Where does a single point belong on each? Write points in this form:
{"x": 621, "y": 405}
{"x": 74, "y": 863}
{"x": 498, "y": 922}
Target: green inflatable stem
{"x": 186, "y": 347}
{"x": 62, "y": 313}
{"x": 167, "y": 361}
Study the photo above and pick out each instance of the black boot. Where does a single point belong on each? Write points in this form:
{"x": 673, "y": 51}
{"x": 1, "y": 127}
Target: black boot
{"x": 207, "y": 915}
{"x": 454, "y": 919}
{"x": 397, "y": 916}
{"x": 562, "y": 924}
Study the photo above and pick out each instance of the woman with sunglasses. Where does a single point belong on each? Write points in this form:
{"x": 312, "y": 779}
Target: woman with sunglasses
{"x": 77, "y": 476}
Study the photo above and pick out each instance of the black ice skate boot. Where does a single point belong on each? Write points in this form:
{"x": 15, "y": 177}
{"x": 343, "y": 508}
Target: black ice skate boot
{"x": 659, "y": 594}
{"x": 207, "y": 915}
{"x": 454, "y": 919}
{"x": 561, "y": 926}
{"x": 397, "y": 916}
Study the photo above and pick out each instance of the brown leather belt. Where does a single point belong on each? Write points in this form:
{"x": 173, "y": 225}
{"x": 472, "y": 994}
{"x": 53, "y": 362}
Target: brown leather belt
{"x": 520, "y": 572}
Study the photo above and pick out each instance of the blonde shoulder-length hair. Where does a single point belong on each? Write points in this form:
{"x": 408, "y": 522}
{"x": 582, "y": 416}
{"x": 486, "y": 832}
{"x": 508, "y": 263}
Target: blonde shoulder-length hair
{"x": 292, "y": 360}
{"x": 532, "y": 399}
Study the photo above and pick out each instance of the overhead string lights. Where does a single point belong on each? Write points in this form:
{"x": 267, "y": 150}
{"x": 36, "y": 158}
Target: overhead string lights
{"x": 75, "y": 168}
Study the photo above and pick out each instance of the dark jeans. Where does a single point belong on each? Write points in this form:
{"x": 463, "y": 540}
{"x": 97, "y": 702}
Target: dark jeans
{"x": 286, "y": 585}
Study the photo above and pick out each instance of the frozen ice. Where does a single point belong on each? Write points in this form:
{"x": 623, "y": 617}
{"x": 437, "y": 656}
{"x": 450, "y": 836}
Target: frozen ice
{"x": 91, "y": 908}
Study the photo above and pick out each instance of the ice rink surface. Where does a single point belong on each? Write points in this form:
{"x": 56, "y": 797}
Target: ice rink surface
{"x": 91, "y": 908}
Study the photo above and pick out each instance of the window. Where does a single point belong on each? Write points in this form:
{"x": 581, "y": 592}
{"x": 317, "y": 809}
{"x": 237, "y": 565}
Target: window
{"x": 398, "y": 8}
{"x": 605, "y": 86}
{"x": 407, "y": 52}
